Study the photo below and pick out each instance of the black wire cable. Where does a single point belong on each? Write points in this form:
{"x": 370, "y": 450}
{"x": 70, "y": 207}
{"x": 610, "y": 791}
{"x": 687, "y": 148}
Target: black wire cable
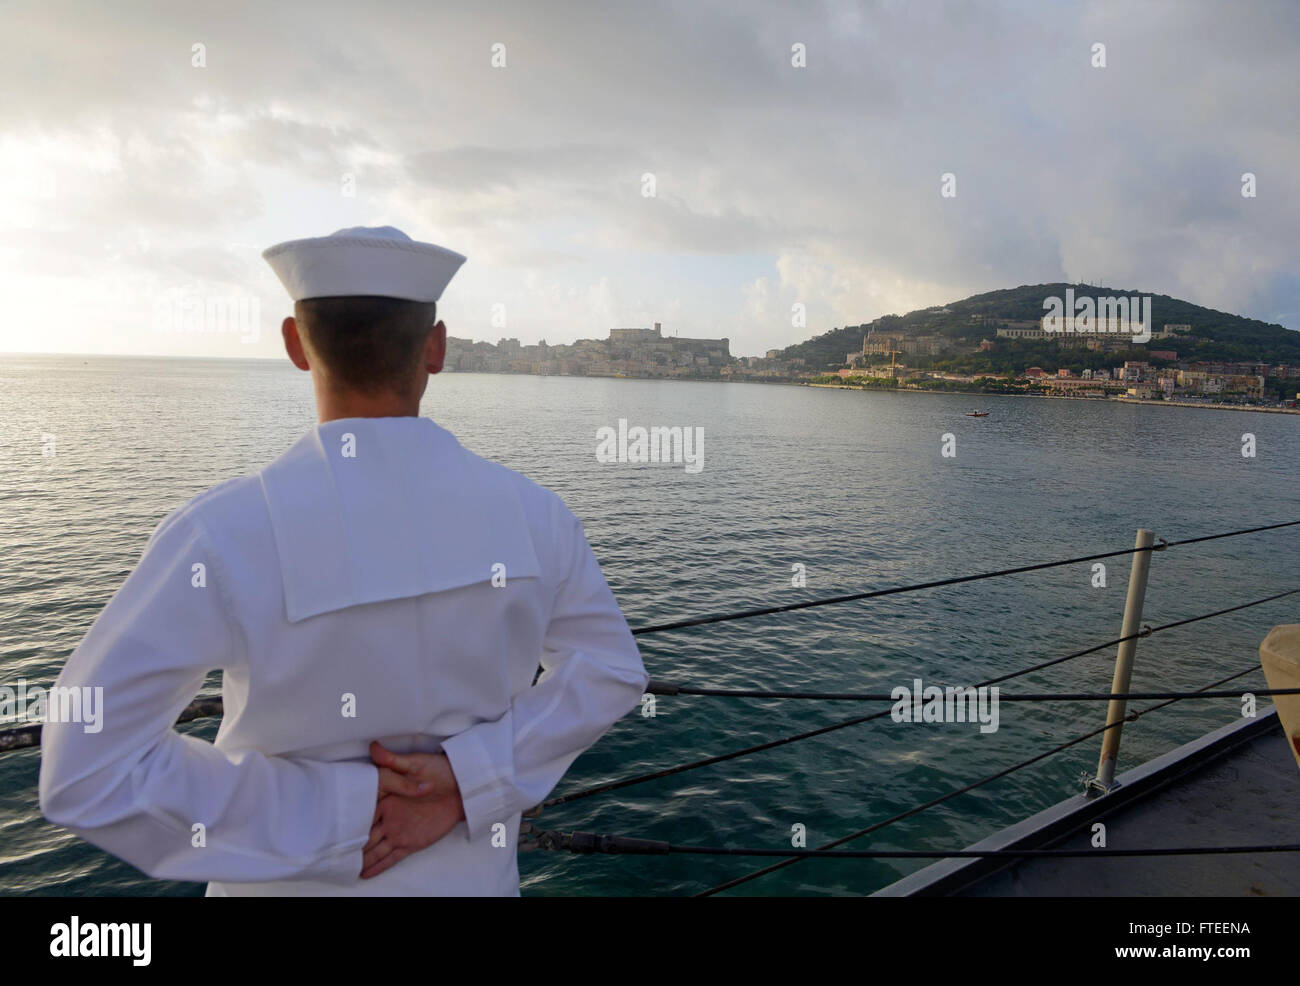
{"x": 857, "y": 720}
{"x": 876, "y": 593}
{"x": 977, "y": 854}
{"x": 1002, "y": 697}
{"x": 204, "y": 706}
{"x": 917, "y": 809}
{"x": 24, "y": 737}
{"x": 1146, "y": 631}
{"x": 589, "y": 843}
{"x": 1228, "y": 534}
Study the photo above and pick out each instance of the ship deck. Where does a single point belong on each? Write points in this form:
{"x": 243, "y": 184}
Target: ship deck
{"x": 1235, "y": 786}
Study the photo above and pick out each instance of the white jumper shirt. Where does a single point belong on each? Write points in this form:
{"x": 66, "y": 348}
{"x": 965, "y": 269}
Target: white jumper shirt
{"x": 346, "y": 593}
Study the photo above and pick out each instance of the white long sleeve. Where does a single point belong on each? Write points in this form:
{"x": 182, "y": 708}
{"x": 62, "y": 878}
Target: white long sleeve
{"x": 592, "y": 676}
{"x": 138, "y": 789}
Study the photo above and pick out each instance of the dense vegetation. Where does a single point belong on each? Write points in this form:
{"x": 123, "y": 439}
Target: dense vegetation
{"x": 1215, "y": 335}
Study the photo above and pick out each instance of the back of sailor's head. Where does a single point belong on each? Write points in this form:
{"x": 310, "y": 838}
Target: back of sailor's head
{"x": 365, "y": 301}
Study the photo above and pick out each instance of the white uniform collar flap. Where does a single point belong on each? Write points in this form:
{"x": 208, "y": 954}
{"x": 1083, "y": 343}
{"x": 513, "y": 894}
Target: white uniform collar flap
{"x": 371, "y": 509}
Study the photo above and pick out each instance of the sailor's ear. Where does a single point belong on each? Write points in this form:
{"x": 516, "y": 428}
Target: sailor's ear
{"x": 293, "y": 343}
{"x": 435, "y": 350}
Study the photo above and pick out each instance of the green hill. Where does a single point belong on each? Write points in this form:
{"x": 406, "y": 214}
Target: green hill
{"x": 1214, "y": 335}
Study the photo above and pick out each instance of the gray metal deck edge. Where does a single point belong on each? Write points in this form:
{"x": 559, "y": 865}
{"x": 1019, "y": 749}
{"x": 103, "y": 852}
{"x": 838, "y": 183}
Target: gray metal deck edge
{"x": 1052, "y": 824}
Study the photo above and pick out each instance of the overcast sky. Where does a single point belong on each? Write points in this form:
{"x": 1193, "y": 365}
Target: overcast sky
{"x": 136, "y": 180}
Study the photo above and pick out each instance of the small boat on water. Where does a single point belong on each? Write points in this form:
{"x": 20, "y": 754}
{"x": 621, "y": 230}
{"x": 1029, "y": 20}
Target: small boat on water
{"x": 977, "y": 414}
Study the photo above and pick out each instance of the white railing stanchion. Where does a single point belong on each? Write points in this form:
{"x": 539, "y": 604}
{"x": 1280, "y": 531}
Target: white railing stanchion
{"x": 1117, "y": 709}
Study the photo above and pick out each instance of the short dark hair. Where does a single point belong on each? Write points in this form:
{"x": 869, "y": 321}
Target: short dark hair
{"x": 367, "y": 344}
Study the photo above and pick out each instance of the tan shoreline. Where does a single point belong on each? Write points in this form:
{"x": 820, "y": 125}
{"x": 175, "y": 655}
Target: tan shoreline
{"x": 1060, "y": 397}
{"x": 1212, "y": 407}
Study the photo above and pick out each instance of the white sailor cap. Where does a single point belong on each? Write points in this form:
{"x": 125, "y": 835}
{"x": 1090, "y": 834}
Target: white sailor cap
{"x": 363, "y": 260}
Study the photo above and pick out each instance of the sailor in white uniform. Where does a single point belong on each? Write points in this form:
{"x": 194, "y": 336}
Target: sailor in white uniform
{"x": 377, "y": 582}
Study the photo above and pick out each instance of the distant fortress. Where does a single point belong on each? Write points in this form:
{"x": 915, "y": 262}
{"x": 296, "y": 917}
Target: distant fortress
{"x": 636, "y": 335}
{"x": 627, "y": 352}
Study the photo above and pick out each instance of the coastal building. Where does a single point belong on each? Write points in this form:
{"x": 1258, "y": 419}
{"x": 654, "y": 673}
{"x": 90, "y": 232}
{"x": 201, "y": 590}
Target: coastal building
{"x": 1076, "y": 386}
{"x": 1205, "y": 382}
{"x": 1036, "y": 332}
{"x": 882, "y": 371}
{"x": 634, "y": 336}
{"x": 883, "y": 343}
{"x": 1104, "y": 334}
{"x": 1251, "y": 386}
{"x": 931, "y": 345}
{"x": 642, "y": 352}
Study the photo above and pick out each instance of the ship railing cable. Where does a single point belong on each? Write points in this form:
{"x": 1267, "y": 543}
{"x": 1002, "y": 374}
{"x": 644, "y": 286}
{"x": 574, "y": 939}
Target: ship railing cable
{"x": 29, "y": 736}
{"x": 746, "y": 614}
{"x": 1146, "y": 631}
{"x": 586, "y": 843}
{"x": 1002, "y": 696}
{"x": 1132, "y": 716}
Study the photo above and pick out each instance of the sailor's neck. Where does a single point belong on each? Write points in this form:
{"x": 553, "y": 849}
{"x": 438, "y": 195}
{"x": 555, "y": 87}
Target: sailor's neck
{"x": 332, "y": 407}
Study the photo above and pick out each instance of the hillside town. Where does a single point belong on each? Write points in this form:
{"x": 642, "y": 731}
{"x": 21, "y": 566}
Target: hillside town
{"x": 883, "y": 361}
{"x": 1161, "y": 376}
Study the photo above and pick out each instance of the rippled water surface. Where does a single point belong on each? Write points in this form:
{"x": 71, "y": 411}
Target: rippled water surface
{"x": 850, "y": 485}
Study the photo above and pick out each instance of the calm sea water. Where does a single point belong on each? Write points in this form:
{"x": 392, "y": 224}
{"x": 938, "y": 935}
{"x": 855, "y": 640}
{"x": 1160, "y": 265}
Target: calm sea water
{"x": 851, "y": 485}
